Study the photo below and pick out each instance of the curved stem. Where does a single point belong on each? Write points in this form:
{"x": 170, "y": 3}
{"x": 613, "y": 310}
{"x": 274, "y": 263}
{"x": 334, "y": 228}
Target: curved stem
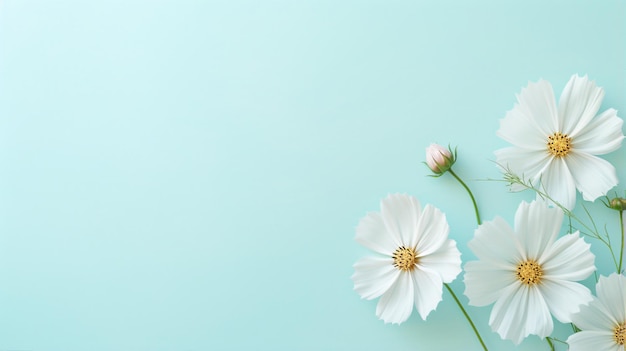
{"x": 466, "y": 316}
{"x": 621, "y": 251}
{"x": 550, "y": 343}
{"x": 558, "y": 340}
{"x": 470, "y": 194}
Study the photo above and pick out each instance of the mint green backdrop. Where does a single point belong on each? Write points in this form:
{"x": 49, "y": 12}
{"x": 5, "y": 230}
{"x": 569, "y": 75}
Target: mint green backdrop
{"x": 188, "y": 175}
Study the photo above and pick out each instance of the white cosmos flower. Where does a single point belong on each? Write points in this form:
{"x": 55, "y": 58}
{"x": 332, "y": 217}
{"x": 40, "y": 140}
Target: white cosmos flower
{"x": 528, "y": 272}
{"x": 603, "y": 321}
{"x": 556, "y": 148}
{"x": 416, "y": 258}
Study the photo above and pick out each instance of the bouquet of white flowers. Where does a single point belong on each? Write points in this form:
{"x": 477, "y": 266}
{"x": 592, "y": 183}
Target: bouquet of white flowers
{"x": 527, "y": 271}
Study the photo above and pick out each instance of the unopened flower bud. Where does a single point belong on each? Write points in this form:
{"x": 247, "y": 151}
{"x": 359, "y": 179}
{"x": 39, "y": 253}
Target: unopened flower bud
{"x": 439, "y": 159}
{"x": 618, "y": 204}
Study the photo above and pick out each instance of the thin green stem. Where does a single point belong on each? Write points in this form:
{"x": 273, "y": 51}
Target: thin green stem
{"x": 558, "y": 340}
{"x": 550, "y": 343}
{"x": 470, "y": 194}
{"x": 621, "y": 251}
{"x": 466, "y": 316}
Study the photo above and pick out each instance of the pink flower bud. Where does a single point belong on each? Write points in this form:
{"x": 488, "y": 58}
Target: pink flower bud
{"x": 439, "y": 159}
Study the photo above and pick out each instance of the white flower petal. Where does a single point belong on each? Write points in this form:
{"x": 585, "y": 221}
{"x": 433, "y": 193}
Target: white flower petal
{"x": 520, "y": 311}
{"x": 537, "y": 226}
{"x": 432, "y": 231}
{"x": 400, "y": 214}
{"x": 526, "y": 164}
{"x": 371, "y": 233}
{"x": 595, "y": 317}
{"x": 539, "y": 321}
{"x": 570, "y": 258}
{"x": 611, "y": 292}
{"x": 373, "y": 276}
{"x": 396, "y": 305}
{"x": 564, "y": 298}
{"x": 537, "y": 102}
{"x": 579, "y": 103}
{"x": 428, "y": 291}
{"x": 593, "y": 176}
{"x": 601, "y": 136}
{"x": 557, "y": 181}
{"x": 484, "y": 283}
{"x": 593, "y": 340}
{"x": 504, "y": 311}
{"x": 446, "y": 261}
{"x": 519, "y": 130}
{"x": 495, "y": 242}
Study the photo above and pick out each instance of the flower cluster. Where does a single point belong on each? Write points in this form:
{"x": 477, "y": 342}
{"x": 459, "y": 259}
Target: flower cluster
{"x": 529, "y": 272}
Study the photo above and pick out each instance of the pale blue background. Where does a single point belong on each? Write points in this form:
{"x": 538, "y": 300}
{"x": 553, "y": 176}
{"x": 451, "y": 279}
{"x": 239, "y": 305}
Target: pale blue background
{"x": 187, "y": 175}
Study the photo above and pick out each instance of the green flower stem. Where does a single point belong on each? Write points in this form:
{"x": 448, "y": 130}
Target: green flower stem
{"x": 470, "y": 194}
{"x": 466, "y": 316}
{"x": 550, "y": 343}
{"x": 621, "y": 251}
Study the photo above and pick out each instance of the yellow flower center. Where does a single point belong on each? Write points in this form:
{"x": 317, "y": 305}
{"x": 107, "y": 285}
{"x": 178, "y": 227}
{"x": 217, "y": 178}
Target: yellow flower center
{"x": 559, "y": 144}
{"x": 404, "y": 258}
{"x": 620, "y": 334}
{"x": 529, "y": 272}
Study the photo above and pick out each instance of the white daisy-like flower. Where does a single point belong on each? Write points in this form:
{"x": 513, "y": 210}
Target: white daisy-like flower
{"x": 556, "y": 148}
{"x": 603, "y": 321}
{"x": 528, "y": 272}
{"x": 416, "y": 258}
